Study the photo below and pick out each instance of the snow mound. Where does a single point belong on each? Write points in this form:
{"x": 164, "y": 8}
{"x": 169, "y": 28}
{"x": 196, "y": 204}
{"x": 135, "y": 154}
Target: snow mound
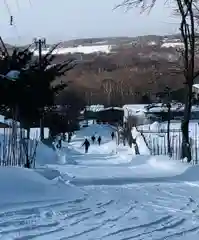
{"x": 191, "y": 174}
{"x": 48, "y": 173}
{"x": 155, "y": 126}
{"x": 140, "y": 142}
{"x": 45, "y": 155}
{"x": 23, "y": 185}
{"x": 164, "y": 163}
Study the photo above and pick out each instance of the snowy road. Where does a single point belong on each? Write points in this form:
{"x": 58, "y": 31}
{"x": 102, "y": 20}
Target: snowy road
{"x": 152, "y": 211}
{"x": 90, "y": 199}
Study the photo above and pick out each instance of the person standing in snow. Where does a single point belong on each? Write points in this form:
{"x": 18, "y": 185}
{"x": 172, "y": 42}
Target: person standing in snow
{"x": 86, "y": 144}
{"x": 99, "y": 140}
{"x": 59, "y": 142}
{"x": 93, "y": 139}
{"x": 112, "y": 135}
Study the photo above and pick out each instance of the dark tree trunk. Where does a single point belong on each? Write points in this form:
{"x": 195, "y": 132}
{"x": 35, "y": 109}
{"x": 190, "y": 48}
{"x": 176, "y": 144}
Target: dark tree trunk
{"x": 41, "y": 128}
{"x": 28, "y": 132}
{"x": 186, "y": 148}
{"x": 168, "y": 131}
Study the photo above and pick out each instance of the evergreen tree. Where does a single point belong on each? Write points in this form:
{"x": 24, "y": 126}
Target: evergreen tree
{"x": 31, "y": 92}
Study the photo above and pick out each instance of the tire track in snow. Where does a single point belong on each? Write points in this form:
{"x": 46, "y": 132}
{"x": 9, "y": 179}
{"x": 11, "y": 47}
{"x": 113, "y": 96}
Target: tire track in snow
{"x": 145, "y": 225}
{"x": 80, "y": 219}
{"x": 24, "y": 209}
{"x": 101, "y": 205}
{"x": 162, "y": 228}
{"x": 23, "y": 221}
{"x": 179, "y": 234}
{"x": 168, "y": 236}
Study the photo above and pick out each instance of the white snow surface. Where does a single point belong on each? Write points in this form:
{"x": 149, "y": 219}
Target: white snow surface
{"x": 108, "y": 193}
{"x": 78, "y": 49}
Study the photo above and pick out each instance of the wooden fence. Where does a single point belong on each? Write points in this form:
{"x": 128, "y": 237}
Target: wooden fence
{"x": 15, "y": 149}
{"x": 157, "y": 142}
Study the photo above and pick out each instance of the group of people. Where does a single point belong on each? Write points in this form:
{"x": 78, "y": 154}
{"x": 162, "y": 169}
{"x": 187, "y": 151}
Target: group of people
{"x": 86, "y": 143}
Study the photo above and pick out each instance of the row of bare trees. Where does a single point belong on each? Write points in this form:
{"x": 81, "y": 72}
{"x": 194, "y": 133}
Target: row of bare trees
{"x": 129, "y": 88}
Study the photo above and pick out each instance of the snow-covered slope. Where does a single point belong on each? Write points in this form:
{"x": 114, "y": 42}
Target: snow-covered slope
{"x": 19, "y": 184}
{"x": 78, "y": 49}
{"x": 121, "y": 197}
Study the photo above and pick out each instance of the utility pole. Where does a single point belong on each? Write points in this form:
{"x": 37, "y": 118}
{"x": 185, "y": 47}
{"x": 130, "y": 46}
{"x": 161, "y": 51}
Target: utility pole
{"x": 39, "y": 43}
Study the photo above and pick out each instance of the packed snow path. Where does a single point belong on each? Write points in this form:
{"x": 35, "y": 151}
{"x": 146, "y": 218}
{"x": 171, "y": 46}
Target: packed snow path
{"x": 161, "y": 202}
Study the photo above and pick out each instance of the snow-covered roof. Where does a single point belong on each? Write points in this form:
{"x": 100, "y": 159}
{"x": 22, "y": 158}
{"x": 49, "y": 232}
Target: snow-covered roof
{"x": 134, "y": 109}
{"x": 95, "y": 108}
{"x": 115, "y": 108}
{"x": 7, "y": 121}
{"x": 2, "y": 118}
{"x": 177, "y": 107}
{"x": 140, "y": 109}
{"x": 196, "y": 86}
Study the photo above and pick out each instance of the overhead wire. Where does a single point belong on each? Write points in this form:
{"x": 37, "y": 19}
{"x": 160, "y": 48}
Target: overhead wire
{"x": 30, "y": 3}
{"x": 17, "y": 3}
{"x": 12, "y": 22}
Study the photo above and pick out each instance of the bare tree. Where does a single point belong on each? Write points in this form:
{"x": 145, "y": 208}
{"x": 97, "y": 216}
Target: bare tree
{"x": 186, "y": 10}
{"x": 166, "y": 103}
{"x": 108, "y": 86}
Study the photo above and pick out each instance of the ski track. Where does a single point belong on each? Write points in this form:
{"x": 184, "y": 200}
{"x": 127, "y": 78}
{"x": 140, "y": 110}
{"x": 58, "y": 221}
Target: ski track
{"x": 165, "y": 216}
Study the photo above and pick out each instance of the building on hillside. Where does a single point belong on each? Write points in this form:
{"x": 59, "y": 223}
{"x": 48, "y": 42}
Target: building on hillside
{"x": 4, "y": 125}
{"x": 157, "y": 112}
{"x": 112, "y": 115}
{"x": 160, "y": 113}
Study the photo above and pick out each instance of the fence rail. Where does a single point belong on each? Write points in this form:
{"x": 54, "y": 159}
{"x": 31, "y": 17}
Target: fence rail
{"x": 15, "y": 150}
{"x": 157, "y": 142}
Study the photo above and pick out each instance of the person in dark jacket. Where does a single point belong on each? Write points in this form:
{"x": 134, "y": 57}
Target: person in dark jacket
{"x": 59, "y": 142}
{"x": 112, "y": 135}
{"x": 93, "y": 138}
{"x": 99, "y": 140}
{"x": 69, "y": 136}
{"x": 86, "y": 144}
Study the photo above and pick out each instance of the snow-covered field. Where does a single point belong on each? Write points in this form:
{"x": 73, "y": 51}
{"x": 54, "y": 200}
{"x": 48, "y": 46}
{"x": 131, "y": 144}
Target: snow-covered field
{"x": 108, "y": 193}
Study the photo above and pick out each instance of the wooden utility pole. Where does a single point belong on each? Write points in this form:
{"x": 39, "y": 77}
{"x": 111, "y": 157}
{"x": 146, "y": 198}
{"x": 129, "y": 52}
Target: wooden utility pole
{"x": 39, "y": 43}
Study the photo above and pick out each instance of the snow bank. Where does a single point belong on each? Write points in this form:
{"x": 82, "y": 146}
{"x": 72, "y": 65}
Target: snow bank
{"x": 191, "y": 174}
{"x": 45, "y": 155}
{"x": 164, "y": 163}
{"x": 23, "y": 185}
{"x": 143, "y": 149}
{"x": 141, "y": 169}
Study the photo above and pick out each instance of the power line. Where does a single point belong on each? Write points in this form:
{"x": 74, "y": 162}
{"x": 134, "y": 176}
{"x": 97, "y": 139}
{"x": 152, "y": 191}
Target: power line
{"x": 17, "y": 3}
{"x": 11, "y": 18}
{"x": 7, "y": 6}
{"x": 30, "y": 3}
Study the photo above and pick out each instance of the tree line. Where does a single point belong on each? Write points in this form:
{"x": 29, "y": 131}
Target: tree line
{"x": 125, "y": 78}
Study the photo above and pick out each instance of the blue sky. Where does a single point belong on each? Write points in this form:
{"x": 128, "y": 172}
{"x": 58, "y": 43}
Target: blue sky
{"x": 68, "y": 19}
